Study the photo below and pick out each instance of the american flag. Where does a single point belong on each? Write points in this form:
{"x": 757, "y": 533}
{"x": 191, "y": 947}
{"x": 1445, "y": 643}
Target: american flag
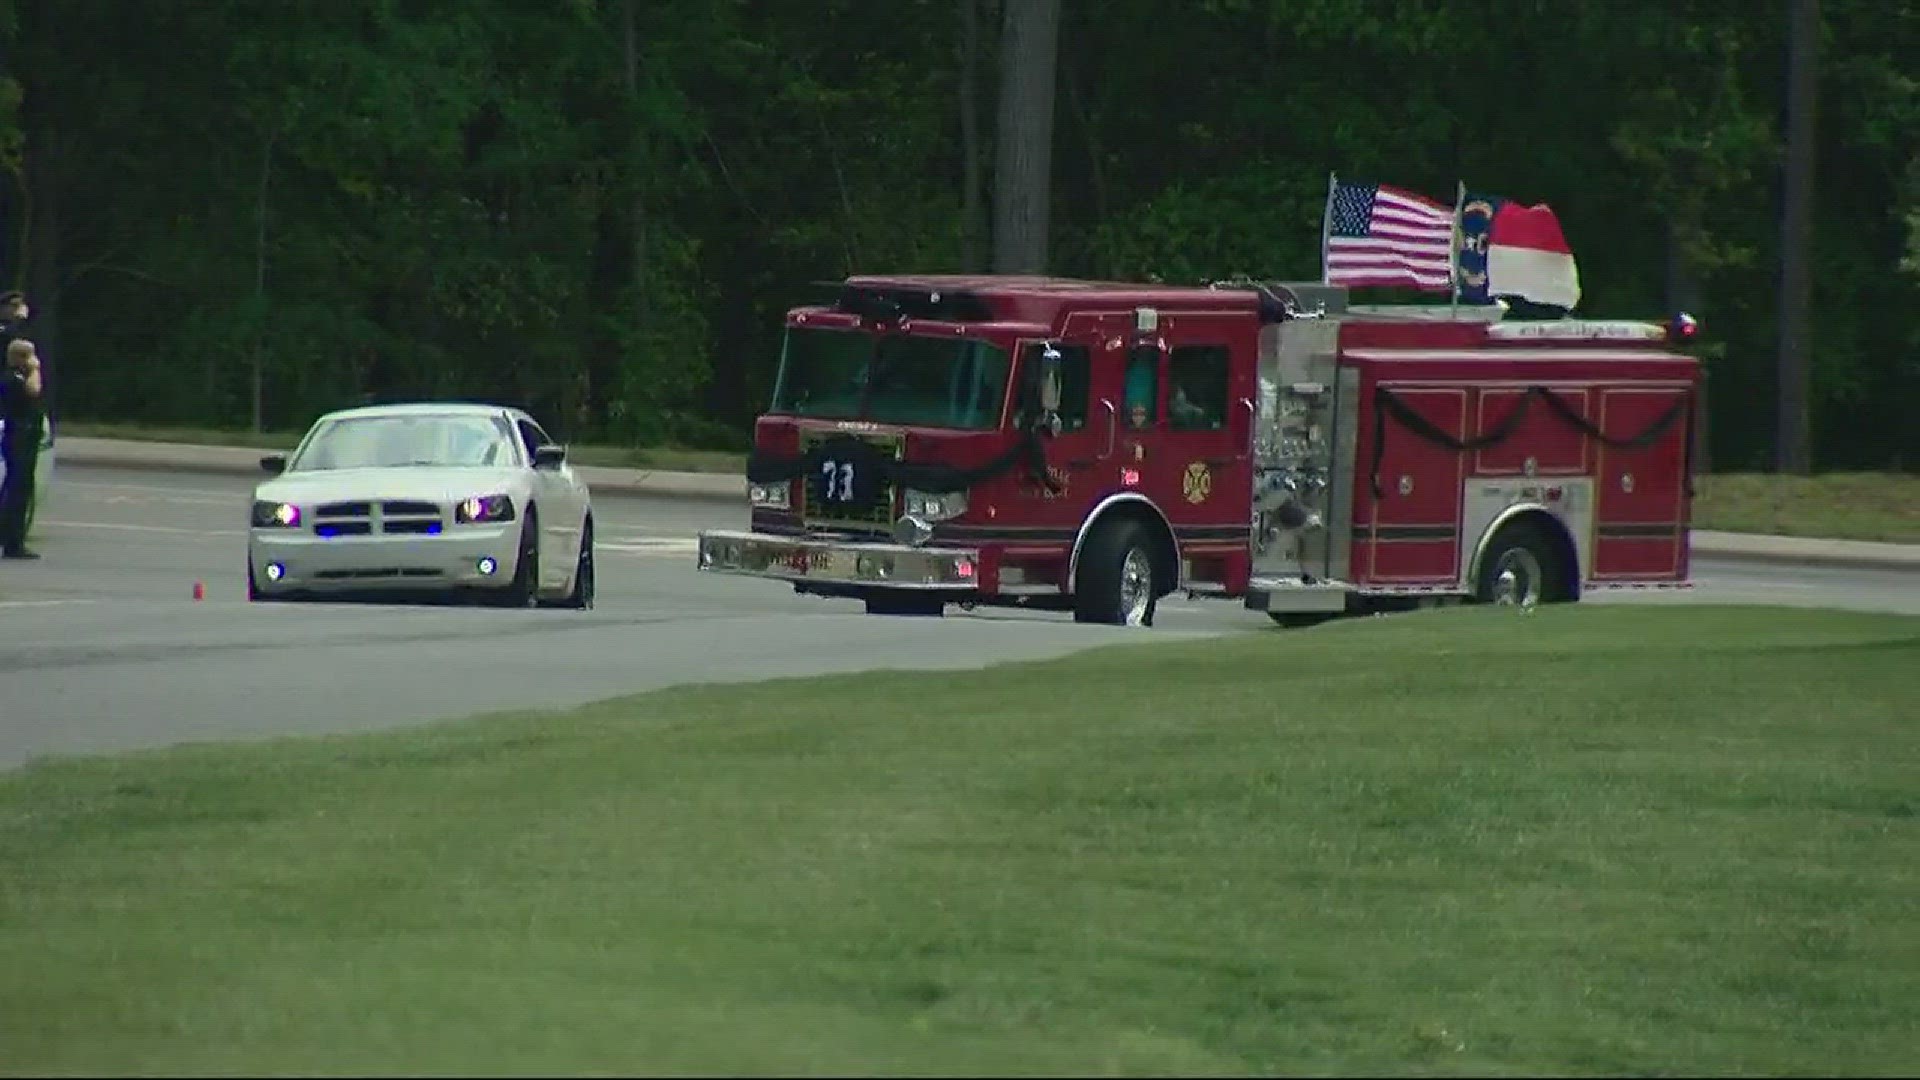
{"x": 1380, "y": 235}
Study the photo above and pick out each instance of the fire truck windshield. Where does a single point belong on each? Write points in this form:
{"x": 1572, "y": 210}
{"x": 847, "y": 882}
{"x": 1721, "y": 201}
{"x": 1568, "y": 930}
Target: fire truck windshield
{"x": 891, "y": 378}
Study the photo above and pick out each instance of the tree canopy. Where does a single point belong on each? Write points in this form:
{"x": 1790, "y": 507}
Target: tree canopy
{"x": 599, "y": 208}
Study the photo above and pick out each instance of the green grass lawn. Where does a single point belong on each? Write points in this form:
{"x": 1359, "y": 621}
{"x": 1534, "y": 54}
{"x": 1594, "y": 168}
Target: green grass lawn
{"x": 1599, "y": 840}
{"x": 1853, "y": 506}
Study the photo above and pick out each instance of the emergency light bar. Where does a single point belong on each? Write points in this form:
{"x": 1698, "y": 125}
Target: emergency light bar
{"x": 1577, "y": 330}
{"x": 1682, "y": 327}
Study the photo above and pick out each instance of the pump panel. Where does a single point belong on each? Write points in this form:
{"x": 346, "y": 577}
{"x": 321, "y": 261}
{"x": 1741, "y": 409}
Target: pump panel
{"x": 1296, "y": 530}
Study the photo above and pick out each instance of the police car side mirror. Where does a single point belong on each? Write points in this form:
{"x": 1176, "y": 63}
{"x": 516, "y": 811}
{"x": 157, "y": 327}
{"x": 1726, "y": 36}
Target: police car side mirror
{"x": 274, "y": 463}
{"x": 549, "y": 457}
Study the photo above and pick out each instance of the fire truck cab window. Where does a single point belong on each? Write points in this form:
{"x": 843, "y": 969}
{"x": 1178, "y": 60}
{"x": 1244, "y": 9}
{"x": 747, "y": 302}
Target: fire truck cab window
{"x": 1197, "y": 388}
{"x": 1076, "y": 383}
{"x": 891, "y": 379}
{"x": 1143, "y": 386}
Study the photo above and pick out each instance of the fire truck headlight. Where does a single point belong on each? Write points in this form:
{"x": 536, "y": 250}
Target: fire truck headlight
{"x": 930, "y": 507}
{"x": 769, "y": 496}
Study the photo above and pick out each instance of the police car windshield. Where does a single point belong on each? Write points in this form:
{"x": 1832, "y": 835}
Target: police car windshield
{"x": 372, "y": 442}
{"x": 891, "y": 379}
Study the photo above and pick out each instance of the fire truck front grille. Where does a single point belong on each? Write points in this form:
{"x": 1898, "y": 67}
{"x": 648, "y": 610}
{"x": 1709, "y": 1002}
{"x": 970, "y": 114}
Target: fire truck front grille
{"x": 875, "y": 516}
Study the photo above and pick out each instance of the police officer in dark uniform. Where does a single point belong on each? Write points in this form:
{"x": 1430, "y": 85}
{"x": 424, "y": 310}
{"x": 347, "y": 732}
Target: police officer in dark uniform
{"x": 13, "y": 317}
{"x": 24, "y": 416}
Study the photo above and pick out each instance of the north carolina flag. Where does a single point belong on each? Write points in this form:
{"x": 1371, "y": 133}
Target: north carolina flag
{"x": 1507, "y": 249}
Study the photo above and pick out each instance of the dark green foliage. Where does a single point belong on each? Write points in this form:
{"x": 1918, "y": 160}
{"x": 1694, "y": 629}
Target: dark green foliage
{"x": 485, "y": 198}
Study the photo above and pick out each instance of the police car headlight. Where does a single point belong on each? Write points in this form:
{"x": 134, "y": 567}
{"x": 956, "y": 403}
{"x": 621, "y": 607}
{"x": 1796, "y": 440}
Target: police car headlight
{"x": 769, "y": 496}
{"x": 275, "y": 515}
{"x": 483, "y": 509}
{"x": 930, "y": 507}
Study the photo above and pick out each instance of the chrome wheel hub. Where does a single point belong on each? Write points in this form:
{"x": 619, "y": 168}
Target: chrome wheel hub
{"x": 1516, "y": 579}
{"x": 1136, "y": 587}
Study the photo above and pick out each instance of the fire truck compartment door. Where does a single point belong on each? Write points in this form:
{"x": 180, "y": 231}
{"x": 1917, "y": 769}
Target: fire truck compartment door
{"x": 1641, "y": 496}
{"x": 1411, "y": 527}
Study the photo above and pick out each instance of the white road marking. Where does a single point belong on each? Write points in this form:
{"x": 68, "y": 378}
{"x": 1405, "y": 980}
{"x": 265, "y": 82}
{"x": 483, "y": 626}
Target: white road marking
{"x": 154, "y": 490}
{"x": 121, "y": 526}
{"x": 649, "y": 546}
{"x": 44, "y": 603}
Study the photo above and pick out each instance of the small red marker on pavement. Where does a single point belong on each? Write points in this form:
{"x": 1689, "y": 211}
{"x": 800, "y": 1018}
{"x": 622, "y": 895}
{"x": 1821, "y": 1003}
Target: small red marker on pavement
{"x": 199, "y": 590}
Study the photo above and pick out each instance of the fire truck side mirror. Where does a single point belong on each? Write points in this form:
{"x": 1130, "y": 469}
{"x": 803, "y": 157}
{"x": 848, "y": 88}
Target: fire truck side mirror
{"x": 1050, "y": 379}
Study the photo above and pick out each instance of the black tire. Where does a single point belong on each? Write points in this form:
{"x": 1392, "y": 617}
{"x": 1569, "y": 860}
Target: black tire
{"x": 1523, "y": 567}
{"x": 525, "y": 589}
{"x": 906, "y": 603}
{"x": 1108, "y": 584}
{"x": 1299, "y": 620}
{"x": 581, "y": 598}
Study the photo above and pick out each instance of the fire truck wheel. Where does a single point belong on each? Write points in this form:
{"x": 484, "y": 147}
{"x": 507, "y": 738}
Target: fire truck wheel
{"x": 1522, "y": 568}
{"x": 1115, "y": 581}
{"x": 1299, "y": 620}
{"x": 905, "y": 604}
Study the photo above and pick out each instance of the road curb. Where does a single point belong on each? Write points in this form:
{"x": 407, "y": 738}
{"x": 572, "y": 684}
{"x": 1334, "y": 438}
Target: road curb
{"x": 245, "y": 461}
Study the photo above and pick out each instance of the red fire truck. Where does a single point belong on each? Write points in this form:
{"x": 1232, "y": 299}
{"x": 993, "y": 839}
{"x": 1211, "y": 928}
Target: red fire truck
{"x": 1093, "y": 447}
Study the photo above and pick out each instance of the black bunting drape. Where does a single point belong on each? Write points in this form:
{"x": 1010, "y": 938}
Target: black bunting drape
{"x": 873, "y": 469}
{"x": 1387, "y": 404}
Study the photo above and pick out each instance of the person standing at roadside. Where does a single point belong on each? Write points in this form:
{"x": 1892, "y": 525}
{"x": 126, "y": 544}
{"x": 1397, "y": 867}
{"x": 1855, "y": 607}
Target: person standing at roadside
{"x": 14, "y": 313}
{"x": 22, "y": 413}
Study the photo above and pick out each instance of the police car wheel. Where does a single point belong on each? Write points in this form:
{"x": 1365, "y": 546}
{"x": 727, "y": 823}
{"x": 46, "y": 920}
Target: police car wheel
{"x": 524, "y": 590}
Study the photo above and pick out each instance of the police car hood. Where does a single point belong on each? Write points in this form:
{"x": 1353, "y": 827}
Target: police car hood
{"x": 425, "y": 483}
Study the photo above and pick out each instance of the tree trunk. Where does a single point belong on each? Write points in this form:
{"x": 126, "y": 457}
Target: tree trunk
{"x": 617, "y": 276}
{"x": 973, "y": 196}
{"x": 1796, "y": 226}
{"x": 260, "y": 286}
{"x": 1022, "y": 188}
{"x": 1682, "y": 295}
{"x": 45, "y": 184}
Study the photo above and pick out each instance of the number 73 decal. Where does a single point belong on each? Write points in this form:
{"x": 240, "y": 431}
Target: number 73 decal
{"x": 836, "y": 481}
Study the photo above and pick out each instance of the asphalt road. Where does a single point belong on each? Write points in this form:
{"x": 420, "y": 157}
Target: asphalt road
{"x": 102, "y": 646}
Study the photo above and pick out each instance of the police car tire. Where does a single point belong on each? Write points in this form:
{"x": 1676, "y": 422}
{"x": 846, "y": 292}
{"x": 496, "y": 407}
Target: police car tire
{"x": 1096, "y": 588}
{"x": 524, "y": 591}
{"x": 581, "y": 598}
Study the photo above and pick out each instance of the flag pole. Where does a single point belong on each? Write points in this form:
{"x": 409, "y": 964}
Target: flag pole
{"x": 1453, "y": 256}
{"x": 1326, "y": 226}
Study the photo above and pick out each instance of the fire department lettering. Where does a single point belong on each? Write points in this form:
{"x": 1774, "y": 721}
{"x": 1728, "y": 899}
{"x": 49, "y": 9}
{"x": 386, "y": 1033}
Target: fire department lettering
{"x": 1198, "y": 483}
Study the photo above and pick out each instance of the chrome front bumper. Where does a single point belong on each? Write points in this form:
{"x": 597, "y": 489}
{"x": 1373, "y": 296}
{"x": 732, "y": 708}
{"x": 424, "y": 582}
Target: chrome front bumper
{"x": 406, "y": 561}
{"x": 840, "y": 562}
